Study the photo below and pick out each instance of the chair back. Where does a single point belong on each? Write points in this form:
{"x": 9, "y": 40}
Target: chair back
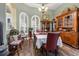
{"x": 10, "y": 39}
{"x": 52, "y": 41}
{"x": 19, "y": 37}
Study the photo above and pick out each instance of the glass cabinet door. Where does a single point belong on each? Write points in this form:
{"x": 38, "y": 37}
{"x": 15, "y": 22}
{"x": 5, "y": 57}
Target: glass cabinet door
{"x": 68, "y": 21}
{"x": 60, "y": 22}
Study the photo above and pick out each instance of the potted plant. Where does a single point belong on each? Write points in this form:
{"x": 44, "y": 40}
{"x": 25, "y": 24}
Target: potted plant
{"x": 14, "y": 33}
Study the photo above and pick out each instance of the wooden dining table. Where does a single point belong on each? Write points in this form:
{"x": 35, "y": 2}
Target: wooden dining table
{"x": 42, "y": 39}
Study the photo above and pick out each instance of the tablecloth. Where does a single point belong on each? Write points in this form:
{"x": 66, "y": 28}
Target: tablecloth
{"x": 43, "y": 39}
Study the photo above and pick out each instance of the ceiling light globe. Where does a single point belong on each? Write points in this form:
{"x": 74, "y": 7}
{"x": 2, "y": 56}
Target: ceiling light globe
{"x": 42, "y": 7}
{"x": 39, "y": 9}
{"x": 46, "y": 8}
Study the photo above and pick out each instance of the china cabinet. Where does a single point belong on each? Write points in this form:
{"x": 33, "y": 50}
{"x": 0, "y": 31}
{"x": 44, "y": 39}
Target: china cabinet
{"x": 68, "y": 23}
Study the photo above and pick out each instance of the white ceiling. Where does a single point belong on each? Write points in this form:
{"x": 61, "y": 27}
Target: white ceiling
{"x": 51, "y": 6}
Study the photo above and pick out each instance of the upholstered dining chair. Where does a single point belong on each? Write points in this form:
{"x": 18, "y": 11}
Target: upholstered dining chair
{"x": 21, "y": 38}
{"x": 51, "y": 45}
{"x": 14, "y": 45}
{"x": 11, "y": 48}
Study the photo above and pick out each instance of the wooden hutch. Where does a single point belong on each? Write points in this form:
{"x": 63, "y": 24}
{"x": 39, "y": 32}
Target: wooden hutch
{"x": 46, "y": 25}
{"x": 68, "y": 24}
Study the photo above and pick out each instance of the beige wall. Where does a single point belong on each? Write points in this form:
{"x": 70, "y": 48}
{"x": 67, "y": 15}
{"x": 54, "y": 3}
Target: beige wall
{"x": 12, "y": 8}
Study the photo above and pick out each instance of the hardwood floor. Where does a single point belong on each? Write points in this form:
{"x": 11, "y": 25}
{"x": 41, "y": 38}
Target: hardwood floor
{"x": 28, "y": 50}
{"x": 68, "y": 51}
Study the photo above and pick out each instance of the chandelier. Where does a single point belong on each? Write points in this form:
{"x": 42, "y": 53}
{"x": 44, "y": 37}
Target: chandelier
{"x": 45, "y": 20}
{"x": 43, "y": 9}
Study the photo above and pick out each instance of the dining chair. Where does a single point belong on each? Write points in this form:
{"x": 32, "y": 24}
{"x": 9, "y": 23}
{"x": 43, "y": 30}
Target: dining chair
{"x": 34, "y": 44}
{"x": 51, "y": 45}
{"x": 11, "y": 48}
{"x": 22, "y": 41}
{"x": 14, "y": 46}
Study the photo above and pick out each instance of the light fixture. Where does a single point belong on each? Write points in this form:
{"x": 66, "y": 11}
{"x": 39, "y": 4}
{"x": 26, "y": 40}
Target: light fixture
{"x": 43, "y": 8}
{"x": 45, "y": 20}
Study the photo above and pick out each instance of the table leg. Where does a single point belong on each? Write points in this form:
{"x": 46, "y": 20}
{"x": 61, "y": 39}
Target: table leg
{"x": 20, "y": 46}
{"x": 17, "y": 50}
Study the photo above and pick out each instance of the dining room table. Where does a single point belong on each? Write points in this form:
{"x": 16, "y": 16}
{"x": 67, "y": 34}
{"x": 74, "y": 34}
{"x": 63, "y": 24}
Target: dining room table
{"x": 42, "y": 39}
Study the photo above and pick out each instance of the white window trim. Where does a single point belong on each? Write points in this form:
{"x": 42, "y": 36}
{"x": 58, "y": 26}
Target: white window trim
{"x": 27, "y": 24}
{"x": 35, "y": 22}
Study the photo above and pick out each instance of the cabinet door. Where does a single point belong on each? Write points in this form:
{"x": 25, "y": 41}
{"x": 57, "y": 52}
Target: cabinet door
{"x": 65, "y": 21}
{"x": 68, "y": 20}
{"x": 60, "y": 22}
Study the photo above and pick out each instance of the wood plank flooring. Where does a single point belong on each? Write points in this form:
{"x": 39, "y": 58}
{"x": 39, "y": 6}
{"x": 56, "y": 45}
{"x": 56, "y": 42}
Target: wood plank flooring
{"x": 27, "y": 49}
{"x": 63, "y": 51}
{"x": 68, "y": 51}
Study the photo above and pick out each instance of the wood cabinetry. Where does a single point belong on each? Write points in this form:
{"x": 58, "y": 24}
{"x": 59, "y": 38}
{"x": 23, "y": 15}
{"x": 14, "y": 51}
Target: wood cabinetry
{"x": 70, "y": 38}
{"x": 68, "y": 24}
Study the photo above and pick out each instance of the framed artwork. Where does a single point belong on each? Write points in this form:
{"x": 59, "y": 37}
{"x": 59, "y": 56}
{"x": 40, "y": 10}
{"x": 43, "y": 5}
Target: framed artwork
{"x": 8, "y": 23}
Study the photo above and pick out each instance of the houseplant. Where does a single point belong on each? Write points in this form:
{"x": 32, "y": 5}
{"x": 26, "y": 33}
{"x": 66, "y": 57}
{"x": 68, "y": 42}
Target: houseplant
{"x": 14, "y": 33}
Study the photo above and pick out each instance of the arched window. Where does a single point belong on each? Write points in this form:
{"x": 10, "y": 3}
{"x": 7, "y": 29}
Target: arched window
{"x": 35, "y": 22}
{"x": 23, "y": 22}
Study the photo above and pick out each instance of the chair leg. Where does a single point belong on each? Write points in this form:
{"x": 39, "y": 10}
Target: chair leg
{"x": 41, "y": 50}
{"x": 17, "y": 50}
{"x": 56, "y": 52}
{"x": 21, "y": 46}
{"x": 35, "y": 51}
{"x": 46, "y": 53}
